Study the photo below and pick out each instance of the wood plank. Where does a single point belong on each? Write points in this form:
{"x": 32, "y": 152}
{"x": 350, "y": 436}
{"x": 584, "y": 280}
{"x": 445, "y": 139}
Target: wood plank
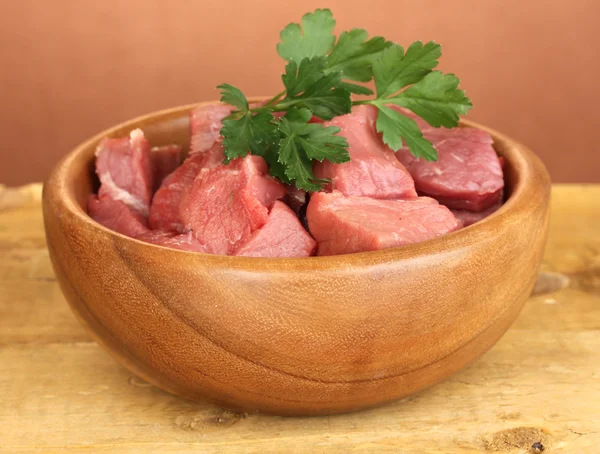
{"x": 32, "y": 306}
{"x": 37, "y": 312}
{"x": 574, "y": 238}
{"x": 61, "y": 393}
{"x": 21, "y": 196}
{"x": 70, "y": 397}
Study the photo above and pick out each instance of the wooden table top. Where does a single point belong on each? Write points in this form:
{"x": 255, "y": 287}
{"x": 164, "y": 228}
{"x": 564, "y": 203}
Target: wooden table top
{"x": 60, "y": 392}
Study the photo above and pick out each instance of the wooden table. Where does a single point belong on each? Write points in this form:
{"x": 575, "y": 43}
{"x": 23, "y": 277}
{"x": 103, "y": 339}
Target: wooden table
{"x": 59, "y": 392}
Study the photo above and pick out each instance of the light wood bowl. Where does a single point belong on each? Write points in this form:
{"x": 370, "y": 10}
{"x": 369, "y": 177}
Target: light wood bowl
{"x": 317, "y": 335}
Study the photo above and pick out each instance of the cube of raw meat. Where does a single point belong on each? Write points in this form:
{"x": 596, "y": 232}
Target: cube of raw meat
{"x": 471, "y": 217}
{"x": 295, "y": 198}
{"x": 226, "y": 204}
{"x": 165, "y": 208}
{"x": 115, "y": 215}
{"x": 281, "y": 236}
{"x": 205, "y": 126}
{"x": 373, "y": 169}
{"x": 125, "y": 172}
{"x": 181, "y": 241}
{"x": 467, "y": 174}
{"x": 346, "y": 224}
{"x": 206, "y": 151}
{"x": 164, "y": 161}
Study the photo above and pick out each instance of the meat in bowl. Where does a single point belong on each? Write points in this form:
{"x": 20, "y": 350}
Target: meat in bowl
{"x": 378, "y": 199}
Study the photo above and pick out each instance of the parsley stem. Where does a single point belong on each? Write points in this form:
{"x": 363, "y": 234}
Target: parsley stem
{"x": 275, "y": 99}
{"x": 282, "y": 106}
{"x": 270, "y": 105}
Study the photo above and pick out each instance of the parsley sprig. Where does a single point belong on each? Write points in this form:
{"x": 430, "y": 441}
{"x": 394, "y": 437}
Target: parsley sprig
{"x": 320, "y": 77}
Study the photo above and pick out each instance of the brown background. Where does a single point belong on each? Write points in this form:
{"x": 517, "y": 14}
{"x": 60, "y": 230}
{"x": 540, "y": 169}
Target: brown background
{"x": 70, "y": 68}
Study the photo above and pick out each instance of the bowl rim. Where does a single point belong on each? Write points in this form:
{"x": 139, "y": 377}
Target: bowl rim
{"x": 524, "y": 194}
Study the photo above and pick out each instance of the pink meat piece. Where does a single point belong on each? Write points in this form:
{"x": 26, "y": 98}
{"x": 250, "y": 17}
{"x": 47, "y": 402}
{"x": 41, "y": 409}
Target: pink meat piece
{"x": 502, "y": 161}
{"x": 205, "y": 126}
{"x": 115, "y": 215}
{"x": 373, "y": 170}
{"x": 346, "y": 224}
{"x": 164, "y": 212}
{"x": 228, "y": 203}
{"x": 438, "y": 135}
{"x": 181, "y": 241}
{"x": 125, "y": 172}
{"x": 164, "y": 160}
{"x": 471, "y": 217}
{"x": 467, "y": 175}
{"x": 295, "y": 198}
{"x": 281, "y": 236}
{"x": 435, "y": 135}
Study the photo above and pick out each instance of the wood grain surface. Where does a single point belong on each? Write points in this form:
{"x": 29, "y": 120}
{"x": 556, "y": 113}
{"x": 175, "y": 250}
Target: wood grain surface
{"x": 61, "y": 393}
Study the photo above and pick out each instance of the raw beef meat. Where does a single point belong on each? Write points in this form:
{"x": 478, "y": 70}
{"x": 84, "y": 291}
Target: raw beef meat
{"x": 125, "y": 172}
{"x": 182, "y": 241}
{"x": 373, "y": 170}
{"x": 342, "y": 225}
{"x": 502, "y": 161}
{"x": 164, "y": 161}
{"x": 115, "y": 215}
{"x": 371, "y": 203}
{"x": 467, "y": 174}
{"x": 229, "y": 202}
{"x": 164, "y": 212}
{"x": 295, "y": 198}
{"x": 281, "y": 236}
{"x": 206, "y": 151}
{"x": 205, "y": 126}
{"x": 471, "y": 217}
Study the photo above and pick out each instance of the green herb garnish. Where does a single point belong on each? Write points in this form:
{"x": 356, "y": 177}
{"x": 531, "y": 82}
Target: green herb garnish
{"x": 319, "y": 79}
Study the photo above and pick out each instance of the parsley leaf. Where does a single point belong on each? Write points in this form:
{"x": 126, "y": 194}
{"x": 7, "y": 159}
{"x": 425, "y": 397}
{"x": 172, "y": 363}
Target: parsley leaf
{"x": 355, "y": 88}
{"x": 319, "y": 142}
{"x": 315, "y": 38}
{"x": 252, "y": 133}
{"x": 299, "y": 78}
{"x": 304, "y": 142}
{"x": 307, "y": 86}
{"x": 396, "y": 127}
{"x": 322, "y": 142}
{"x": 353, "y": 55}
{"x": 298, "y": 167}
{"x": 435, "y": 98}
{"x": 320, "y": 77}
{"x": 276, "y": 168}
{"x": 296, "y": 115}
{"x": 233, "y": 96}
{"x": 394, "y": 69}
{"x": 432, "y": 95}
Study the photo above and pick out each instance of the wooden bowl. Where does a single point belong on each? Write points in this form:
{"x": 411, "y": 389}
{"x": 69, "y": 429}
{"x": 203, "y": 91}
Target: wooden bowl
{"x": 317, "y": 335}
